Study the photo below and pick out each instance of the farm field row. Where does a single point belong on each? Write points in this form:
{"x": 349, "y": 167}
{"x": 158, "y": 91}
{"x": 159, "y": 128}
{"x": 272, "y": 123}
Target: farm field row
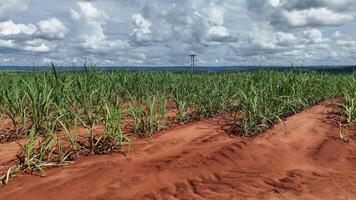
{"x": 62, "y": 115}
{"x": 301, "y": 158}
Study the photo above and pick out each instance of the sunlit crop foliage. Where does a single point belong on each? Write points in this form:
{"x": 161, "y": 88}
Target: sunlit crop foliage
{"x": 62, "y": 115}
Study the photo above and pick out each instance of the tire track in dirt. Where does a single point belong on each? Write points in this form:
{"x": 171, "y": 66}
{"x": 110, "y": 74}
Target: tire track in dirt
{"x": 302, "y": 160}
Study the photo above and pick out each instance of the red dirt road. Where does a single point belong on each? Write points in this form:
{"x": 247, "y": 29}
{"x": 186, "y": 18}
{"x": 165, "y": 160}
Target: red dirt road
{"x": 302, "y": 160}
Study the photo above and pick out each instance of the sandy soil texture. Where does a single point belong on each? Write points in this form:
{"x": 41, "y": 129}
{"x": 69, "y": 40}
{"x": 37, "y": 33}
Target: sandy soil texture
{"x": 301, "y": 159}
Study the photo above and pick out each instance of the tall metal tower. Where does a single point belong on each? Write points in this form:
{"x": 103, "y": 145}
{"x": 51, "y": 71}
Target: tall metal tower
{"x": 192, "y": 62}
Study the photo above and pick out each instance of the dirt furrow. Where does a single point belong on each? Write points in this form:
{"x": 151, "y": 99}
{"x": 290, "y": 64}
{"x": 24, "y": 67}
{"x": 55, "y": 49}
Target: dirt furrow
{"x": 302, "y": 159}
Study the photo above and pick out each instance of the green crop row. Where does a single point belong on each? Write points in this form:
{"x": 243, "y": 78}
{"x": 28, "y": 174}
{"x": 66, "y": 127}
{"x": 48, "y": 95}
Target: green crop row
{"x": 52, "y": 110}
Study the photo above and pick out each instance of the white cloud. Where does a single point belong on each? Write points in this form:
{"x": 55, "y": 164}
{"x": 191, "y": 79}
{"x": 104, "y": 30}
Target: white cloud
{"x": 219, "y": 34}
{"x": 185, "y": 26}
{"x": 216, "y": 15}
{"x": 6, "y": 43}
{"x": 344, "y": 41}
{"x": 36, "y": 45}
{"x": 89, "y": 28}
{"x": 41, "y": 48}
{"x": 293, "y": 13}
{"x": 141, "y": 23}
{"x": 156, "y": 32}
{"x": 315, "y": 17}
{"x": 141, "y": 34}
{"x": 286, "y": 39}
{"x": 314, "y": 36}
{"x": 10, "y": 28}
{"x": 331, "y": 4}
{"x": 52, "y": 29}
{"x": 258, "y": 44}
{"x": 9, "y": 8}
{"x": 274, "y": 3}
{"x": 31, "y": 38}
{"x": 89, "y": 22}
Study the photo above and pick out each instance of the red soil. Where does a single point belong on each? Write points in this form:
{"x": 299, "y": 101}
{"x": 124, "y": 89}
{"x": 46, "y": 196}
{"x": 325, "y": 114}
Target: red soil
{"x": 8, "y": 152}
{"x": 302, "y": 160}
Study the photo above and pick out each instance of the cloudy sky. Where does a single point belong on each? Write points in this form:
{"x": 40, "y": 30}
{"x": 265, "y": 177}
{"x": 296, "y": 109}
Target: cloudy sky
{"x": 164, "y": 32}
